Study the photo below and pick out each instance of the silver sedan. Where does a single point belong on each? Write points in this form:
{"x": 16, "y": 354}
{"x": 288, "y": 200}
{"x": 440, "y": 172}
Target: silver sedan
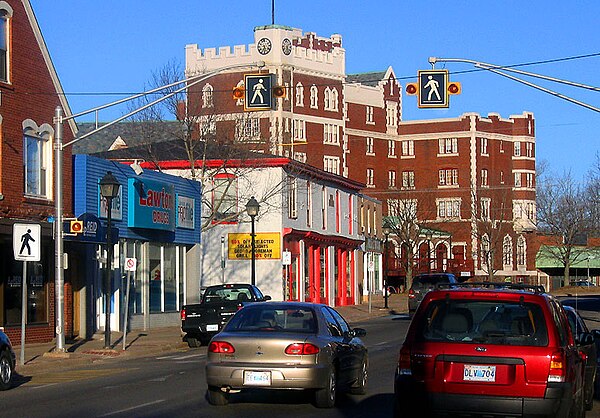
{"x": 287, "y": 345}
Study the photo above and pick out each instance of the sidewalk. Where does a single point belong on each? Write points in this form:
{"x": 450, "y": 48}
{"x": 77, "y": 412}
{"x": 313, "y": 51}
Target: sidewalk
{"x": 40, "y": 358}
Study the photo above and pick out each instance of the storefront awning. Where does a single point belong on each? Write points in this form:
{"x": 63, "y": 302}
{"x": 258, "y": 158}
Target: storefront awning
{"x": 321, "y": 238}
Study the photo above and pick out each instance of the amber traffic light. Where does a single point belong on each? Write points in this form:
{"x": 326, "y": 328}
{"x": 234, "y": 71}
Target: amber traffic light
{"x": 454, "y": 87}
{"x": 412, "y": 88}
{"x": 238, "y": 92}
{"x": 279, "y": 91}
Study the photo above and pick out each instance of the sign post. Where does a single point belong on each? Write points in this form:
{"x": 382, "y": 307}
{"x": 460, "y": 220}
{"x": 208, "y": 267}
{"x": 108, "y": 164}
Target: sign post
{"x": 130, "y": 266}
{"x": 286, "y": 260}
{"x": 26, "y": 247}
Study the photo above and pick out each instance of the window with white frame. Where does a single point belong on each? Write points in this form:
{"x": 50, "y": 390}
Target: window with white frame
{"x": 448, "y": 208}
{"x": 37, "y": 159}
{"x": 408, "y": 179}
{"x": 370, "y": 182}
{"x": 331, "y": 164}
{"x": 207, "y": 96}
{"x": 334, "y": 99}
{"x": 485, "y": 249}
{"x": 521, "y": 251}
{"x": 408, "y": 148}
{"x": 485, "y": 208}
{"x": 484, "y": 146}
{"x": 391, "y": 114}
{"x": 404, "y": 208}
{"x": 314, "y": 97}
{"x": 6, "y": 13}
{"x": 324, "y": 207}
{"x": 331, "y": 134}
{"x": 292, "y": 197}
{"x": 524, "y": 209}
{"x": 392, "y": 178}
{"x": 300, "y": 156}
{"x": 247, "y": 128}
{"x": 448, "y": 177}
{"x": 529, "y": 180}
{"x": 369, "y": 146}
{"x": 326, "y": 98}
{"x": 299, "y": 130}
{"x": 517, "y": 152}
{"x": 484, "y": 177}
{"x": 369, "y": 110}
{"x": 517, "y": 179}
{"x": 308, "y": 204}
{"x": 507, "y": 252}
{"x": 299, "y": 94}
{"x": 448, "y": 146}
{"x": 529, "y": 149}
{"x": 391, "y": 148}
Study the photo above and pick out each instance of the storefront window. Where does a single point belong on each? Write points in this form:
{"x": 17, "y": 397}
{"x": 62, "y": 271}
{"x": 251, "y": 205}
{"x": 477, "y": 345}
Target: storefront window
{"x": 170, "y": 279}
{"x": 37, "y": 297}
{"x": 306, "y": 273}
{"x": 322, "y": 255}
{"x": 154, "y": 269}
{"x": 181, "y": 254}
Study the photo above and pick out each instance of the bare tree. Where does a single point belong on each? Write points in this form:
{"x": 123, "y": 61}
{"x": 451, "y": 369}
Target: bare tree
{"x": 563, "y": 211}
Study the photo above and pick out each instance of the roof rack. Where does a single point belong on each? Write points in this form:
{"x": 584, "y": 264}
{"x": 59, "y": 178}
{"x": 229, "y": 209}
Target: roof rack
{"x": 493, "y": 285}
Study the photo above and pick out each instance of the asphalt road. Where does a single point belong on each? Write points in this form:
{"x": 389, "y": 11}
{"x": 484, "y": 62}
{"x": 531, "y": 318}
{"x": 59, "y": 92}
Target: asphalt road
{"x": 173, "y": 384}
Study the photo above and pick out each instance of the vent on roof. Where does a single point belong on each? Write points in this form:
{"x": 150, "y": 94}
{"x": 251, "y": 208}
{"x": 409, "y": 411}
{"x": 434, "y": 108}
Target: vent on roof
{"x": 118, "y": 144}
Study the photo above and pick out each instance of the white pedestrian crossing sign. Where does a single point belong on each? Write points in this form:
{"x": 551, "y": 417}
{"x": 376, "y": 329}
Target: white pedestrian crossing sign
{"x": 27, "y": 242}
{"x": 433, "y": 88}
{"x": 259, "y": 92}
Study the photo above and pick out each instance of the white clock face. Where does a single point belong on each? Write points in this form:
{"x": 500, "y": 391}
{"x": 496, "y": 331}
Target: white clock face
{"x": 286, "y": 46}
{"x": 264, "y": 46}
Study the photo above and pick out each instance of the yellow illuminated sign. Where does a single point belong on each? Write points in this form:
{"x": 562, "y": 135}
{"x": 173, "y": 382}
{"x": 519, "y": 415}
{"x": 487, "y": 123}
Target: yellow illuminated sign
{"x": 267, "y": 246}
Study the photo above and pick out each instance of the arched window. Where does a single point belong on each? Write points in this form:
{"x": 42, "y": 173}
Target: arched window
{"x": 485, "y": 250}
{"x": 326, "y": 99}
{"x": 207, "y": 96}
{"x": 507, "y": 252}
{"x": 299, "y": 94}
{"x": 314, "y": 97}
{"x": 6, "y": 13}
{"x": 37, "y": 159}
{"x": 333, "y": 99}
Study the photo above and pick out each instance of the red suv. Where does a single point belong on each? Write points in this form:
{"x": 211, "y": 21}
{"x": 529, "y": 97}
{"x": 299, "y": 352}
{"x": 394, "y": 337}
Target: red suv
{"x": 489, "y": 349}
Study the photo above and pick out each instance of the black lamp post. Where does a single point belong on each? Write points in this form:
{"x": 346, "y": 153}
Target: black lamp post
{"x": 386, "y": 232}
{"x": 109, "y": 189}
{"x": 252, "y": 208}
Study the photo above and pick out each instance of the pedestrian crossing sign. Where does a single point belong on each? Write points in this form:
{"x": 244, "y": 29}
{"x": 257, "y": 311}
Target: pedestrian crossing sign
{"x": 433, "y": 89}
{"x": 259, "y": 91}
{"x": 26, "y": 242}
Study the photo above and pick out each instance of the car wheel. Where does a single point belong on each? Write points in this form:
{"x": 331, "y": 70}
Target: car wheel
{"x": 6, "y": 370}
{"x": 360, "y": 388}
{"x": 193, "y": 342}
{"x": 325, "y": 398}
{"x": 216, "y": 396}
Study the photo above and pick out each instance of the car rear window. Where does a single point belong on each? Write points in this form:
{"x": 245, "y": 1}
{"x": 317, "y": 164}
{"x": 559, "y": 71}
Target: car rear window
{"x": 483, "y": 322}
{"x": 432, "y": 279}
{"x": 269, "y": 319}
{"x": 218, "y": 294}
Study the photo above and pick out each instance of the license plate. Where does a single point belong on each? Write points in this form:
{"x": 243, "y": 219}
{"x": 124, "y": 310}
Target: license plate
{"x": 212, "y": 327}
{"x": 257, "y": 378}
{"x": 479, "y": 373}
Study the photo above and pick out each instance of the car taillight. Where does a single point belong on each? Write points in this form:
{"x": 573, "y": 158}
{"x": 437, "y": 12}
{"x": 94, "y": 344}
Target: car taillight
{"x": 297, "y": 349}
{"x": 183, "y": 314}
{"x": 557, "y": 367}
{"x": 411, "y": 294}
{"x": 221, "y": 347}
{"x": 404, "y": 362}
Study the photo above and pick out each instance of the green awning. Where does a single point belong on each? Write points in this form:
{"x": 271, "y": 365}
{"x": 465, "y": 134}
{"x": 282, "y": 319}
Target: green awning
{"x": 583, "y": 257}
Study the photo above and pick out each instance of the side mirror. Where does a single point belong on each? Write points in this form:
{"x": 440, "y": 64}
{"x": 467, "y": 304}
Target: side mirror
{"x": 596, "y": 334}
{"x": 359, "y": 332}
{"x": 266, "y": 297}
{"x": 585, "y": 338}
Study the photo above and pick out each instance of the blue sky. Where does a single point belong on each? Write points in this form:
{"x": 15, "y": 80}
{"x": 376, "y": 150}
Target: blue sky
{"x": 112, "y": 46}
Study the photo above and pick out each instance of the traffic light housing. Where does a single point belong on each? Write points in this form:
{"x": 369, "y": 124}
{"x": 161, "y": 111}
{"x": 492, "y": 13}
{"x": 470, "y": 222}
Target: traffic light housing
{"x": 279, "y": 91}
{"x": 454, "y": 87}
{"x": 412, "y": 89}
{"x": 238, "y": 92}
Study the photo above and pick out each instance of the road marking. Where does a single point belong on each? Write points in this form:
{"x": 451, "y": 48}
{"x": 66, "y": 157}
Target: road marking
{"x": 70, "y": 376}
{"x": 132, "y": 408}
{"x": 179, "y": 357}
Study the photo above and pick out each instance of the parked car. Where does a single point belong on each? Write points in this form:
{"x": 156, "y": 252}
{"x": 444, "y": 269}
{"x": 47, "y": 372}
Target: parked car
{"x": 586, "y": 342}
{"x": 489, "y": 349}
{"x": 582, "y": 283}
{"x": 423, "y": 283}
{"x": 287, "y": 345}
{"x": 200, "y": 321}
{"x": 7, "y": 362}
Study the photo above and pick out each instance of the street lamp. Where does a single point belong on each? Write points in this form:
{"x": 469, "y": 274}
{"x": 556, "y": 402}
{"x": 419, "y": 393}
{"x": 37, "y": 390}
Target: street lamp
{"x": 109, "y": 189}
{"x": 386, "y": 232}
{"x": 252, "y": 208}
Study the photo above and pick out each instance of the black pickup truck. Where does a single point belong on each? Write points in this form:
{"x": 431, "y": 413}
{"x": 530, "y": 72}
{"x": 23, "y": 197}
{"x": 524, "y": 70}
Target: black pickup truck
{"x": 200, "y": 321}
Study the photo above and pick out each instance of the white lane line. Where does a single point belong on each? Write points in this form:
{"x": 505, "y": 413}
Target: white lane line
{"x": 132, "y": 408}
{"x": 180, "y": 357}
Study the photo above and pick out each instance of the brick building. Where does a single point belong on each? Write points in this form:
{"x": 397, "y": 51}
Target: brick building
{"x": 29, "y": 93}
{"x": 470, "y": 180}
